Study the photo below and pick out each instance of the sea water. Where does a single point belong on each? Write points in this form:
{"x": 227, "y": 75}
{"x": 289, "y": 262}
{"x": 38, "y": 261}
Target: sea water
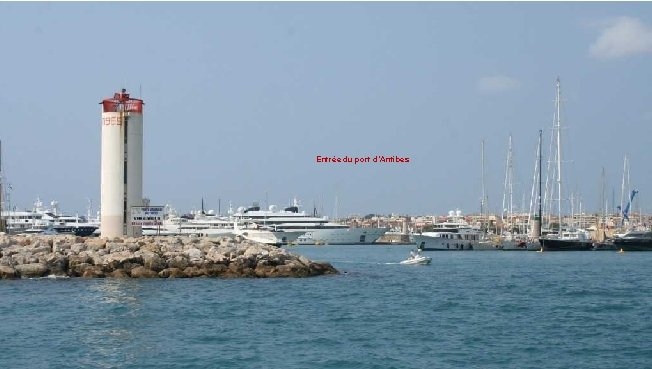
{"x": 481, "y": 309}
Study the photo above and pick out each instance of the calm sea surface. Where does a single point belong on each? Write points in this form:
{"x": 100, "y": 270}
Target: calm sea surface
{"x": 468, "y": 309}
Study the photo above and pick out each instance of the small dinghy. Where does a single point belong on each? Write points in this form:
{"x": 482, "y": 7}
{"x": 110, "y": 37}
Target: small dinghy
{"x": 416, "y": 259}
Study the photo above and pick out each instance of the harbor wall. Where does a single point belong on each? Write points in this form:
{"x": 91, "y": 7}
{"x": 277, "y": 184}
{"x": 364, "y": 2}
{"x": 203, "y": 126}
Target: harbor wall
{"x": 149, "y": 257}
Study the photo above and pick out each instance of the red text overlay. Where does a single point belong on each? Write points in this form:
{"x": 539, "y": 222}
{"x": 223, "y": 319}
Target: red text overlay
{"x": 362, "y": 159}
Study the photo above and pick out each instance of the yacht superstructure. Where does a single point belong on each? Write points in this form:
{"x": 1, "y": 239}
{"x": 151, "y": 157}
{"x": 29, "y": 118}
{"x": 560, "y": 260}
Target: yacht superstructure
{"x": 41, "y": 220}
{"x": 454, "y": 234}
{"x": 308, "y": 229}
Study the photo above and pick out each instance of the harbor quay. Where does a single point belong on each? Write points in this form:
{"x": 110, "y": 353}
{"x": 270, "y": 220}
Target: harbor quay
{"x": 37, "y": 256}
{"x": 599, "y": 225}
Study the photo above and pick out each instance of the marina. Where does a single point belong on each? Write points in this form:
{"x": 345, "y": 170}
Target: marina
{"x": 327, "y": 185}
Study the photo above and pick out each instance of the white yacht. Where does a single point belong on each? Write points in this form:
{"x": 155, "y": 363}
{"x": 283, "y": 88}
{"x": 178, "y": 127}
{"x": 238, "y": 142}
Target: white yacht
{"x": 273, "y": 226}
{"x": 197, "y": 223}
{"x": 40, "y": 220}
{"x": 309, "y": 229}
{"x": 452, "y": 235}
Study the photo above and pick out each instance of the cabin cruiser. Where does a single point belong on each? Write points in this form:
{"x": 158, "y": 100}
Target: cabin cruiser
{"x": 454, "y": 234}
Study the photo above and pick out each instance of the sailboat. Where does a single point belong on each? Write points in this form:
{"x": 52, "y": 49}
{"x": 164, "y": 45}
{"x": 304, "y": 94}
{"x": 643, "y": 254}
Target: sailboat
{"x": 509, "y": 241}
{"x": 487, "y": 241}
{"x": 565, "y": 239}
{"x": 522, "y": 241}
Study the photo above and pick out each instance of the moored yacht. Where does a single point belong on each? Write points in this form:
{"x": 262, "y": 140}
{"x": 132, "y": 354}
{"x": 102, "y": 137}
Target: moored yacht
{"x": 40, "y": 220}
{"x": 455, "y": 234}
{"x": 567, "y": 240}
{"x": 309, "y": 229}
{"x": 634, "y": 241}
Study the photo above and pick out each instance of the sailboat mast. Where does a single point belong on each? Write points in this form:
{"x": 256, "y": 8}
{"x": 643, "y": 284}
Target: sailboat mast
{"x": 540, "y": 202}
{"x": 558, "y": 123}
{"x": 506, "y": 189}
{"x": 483, "y": 203}
{"x": 510, "y": 213}
{"x": 622, "y": 190}
{"x": 603, "y": 203}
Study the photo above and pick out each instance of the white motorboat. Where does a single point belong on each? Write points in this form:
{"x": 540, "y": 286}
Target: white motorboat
{"x": 416, "y": 259}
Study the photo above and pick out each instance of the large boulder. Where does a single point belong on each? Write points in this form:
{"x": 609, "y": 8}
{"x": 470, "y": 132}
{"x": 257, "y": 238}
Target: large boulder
{"x": 75, "y": 248}
{"x": 74, "y": 260}
{"x": 96, "y": 243}
{"x": 5, "y": 241}
{"x": 119, "y": 273}
{"x": 172, "y": 273}
{"x": 265, "y": 271}
{"x": 7, "y": 272}
{"x": 152, "y": 261}
{"x": 142, "y": 272}
{"x": 178, "y": 261}
{"x": 61, "y": 247}
{"x": 113, "y": 247}
{"x": 151, "y": 247}
{"x": 194, "y": 255}
{"x": 57, "y": 264}
{"x": 35, "y": 270}
{"x": 321, "y": 268}
{"x": 217, "y": 255}
{"x": 193, "y": 272}
{"x": 121, "y": 260}
{"x": 92, "y": 271}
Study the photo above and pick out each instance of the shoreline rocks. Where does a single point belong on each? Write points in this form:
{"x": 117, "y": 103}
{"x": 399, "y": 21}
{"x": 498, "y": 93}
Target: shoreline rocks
{"x": 38, "y": 256}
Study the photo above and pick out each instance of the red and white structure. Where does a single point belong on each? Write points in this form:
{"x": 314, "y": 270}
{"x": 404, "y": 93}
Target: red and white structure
{"x": 122, "y": 164}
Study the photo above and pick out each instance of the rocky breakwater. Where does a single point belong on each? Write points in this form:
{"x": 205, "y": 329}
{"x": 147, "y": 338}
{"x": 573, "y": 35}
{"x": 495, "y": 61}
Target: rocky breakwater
{"x": 149, "y": 257}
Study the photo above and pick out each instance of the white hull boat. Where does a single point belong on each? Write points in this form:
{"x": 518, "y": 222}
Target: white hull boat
{"x": 341, "y": 236}
{"x": 417, "y": 260}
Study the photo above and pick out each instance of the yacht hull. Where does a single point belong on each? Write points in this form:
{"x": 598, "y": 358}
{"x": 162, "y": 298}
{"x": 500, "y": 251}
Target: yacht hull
{"x": 82, "y": 231}
{"x": 565, "y": 245}
{"x": 429, "y": 243}
{"x": 342, "y": 236}
{"x": 275, "y": 238}
{"x": 633, "y": 245}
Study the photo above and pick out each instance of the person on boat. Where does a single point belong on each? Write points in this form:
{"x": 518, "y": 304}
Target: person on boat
{"x": 412, "y": 254}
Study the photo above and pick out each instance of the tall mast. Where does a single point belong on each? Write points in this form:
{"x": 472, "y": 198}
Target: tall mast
{"x": 539, "y": 197}
{"x": 558, "y": 127}
{"x": 510, "y": 214}
{"x": 483, "y": 201}
{"x": 603, "y": 203}
{"x": 622, "y": 187}
{"x": 508, "y": 184}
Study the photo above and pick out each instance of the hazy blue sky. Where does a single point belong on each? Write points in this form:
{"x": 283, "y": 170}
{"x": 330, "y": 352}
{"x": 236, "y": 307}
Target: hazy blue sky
{"x": 241, "y": 98}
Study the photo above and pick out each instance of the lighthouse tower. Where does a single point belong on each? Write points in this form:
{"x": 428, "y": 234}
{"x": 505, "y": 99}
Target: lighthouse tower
{"x": 122, "y": 164}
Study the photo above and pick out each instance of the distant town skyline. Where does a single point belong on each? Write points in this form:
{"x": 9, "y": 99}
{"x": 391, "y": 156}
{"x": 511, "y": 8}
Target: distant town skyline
{"x": 242, "y": 98}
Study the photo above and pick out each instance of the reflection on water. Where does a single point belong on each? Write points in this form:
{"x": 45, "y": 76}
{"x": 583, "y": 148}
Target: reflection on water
{"x": 115, "y": 291}
{"x": 115, "y": 328}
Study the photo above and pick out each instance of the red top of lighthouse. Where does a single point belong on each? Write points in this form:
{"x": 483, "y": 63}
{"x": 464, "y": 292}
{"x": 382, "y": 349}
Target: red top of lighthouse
{"x": 122, "y": 102}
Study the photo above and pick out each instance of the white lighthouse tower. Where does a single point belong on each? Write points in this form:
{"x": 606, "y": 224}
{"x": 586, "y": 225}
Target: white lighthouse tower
{"x": 122, "y": 164}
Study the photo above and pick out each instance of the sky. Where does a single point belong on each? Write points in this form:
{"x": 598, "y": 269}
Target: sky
{"x": 242, "y": 97}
